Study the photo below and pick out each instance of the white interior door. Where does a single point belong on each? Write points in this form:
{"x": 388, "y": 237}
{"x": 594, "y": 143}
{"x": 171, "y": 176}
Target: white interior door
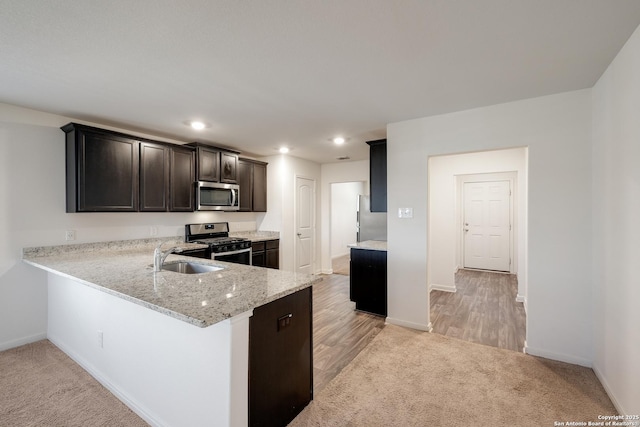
{"x": 487, "y": 228}
{"x": 305, "y": 236}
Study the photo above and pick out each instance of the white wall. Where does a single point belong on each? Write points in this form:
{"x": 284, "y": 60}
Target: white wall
{"x": 616, "y": 229}
{"x": 556, "y": 129}
{"x": 169, "y": 372}
{"x": 281, "y": 182}
{"x": 332, "y": 173}
{"x": 344, "y": 208}
{"x": 444, "y": 230}
{"x": 32, "y": 213}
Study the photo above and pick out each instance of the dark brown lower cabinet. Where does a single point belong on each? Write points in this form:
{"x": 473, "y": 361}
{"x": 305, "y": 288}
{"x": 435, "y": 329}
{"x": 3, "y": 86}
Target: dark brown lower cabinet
{"x": 280, "y": 360}
{"x": 266, "y": 253}
{"x": 368, "y": 280}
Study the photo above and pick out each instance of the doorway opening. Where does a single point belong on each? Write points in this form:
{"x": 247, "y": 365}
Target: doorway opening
{"x": 477, "y": 245}
{"x": 344, "y": 230}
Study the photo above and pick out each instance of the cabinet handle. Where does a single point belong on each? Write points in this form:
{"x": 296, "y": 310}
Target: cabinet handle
{"x": 284, "y": 321}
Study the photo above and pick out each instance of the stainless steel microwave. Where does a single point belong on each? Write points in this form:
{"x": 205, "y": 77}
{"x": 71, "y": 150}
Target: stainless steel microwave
{"x": 214, "y": 196}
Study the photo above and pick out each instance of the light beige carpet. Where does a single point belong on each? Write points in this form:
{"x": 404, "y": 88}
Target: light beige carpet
{"x": 410, "y": 378}
{"x": 42, "y": 386}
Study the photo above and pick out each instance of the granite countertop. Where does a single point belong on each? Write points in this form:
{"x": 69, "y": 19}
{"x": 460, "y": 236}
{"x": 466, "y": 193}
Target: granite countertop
{"x": 256, "y": 236}
{"x": 125, "y": 269}
{"x": 372, "y": 245}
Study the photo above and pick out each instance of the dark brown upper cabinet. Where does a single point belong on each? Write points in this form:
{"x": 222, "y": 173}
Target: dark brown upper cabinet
{"x": 378, "y": 174}
{"x": 113, "y": 172}
{"x": 101, "y": 170}
{"x": 154, "y": 177}
{"x": 216, "y": 164}
{"x": 252, "y": 178}
{"x": 208, "y": 164}
{"x": 228, "y": 168}
{"x": 166, "y": 178}
{"x": 181, "y": 180}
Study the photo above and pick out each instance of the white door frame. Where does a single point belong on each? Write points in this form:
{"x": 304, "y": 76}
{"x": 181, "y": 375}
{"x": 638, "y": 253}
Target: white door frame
{"x": 513, "y": 235}
{"x": 313, "y": 222}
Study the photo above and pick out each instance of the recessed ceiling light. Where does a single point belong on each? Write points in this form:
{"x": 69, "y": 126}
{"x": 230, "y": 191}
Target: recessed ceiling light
{"x": 197, "y": 125}
{"x": 284, "y": 150}
{"x": 338, "y": 140}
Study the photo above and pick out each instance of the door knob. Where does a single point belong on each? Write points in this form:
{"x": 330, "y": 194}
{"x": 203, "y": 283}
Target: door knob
{"x": 299, "y": 234}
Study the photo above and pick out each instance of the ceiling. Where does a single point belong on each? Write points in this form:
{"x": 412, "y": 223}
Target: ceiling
{"x": 268, "y": 73}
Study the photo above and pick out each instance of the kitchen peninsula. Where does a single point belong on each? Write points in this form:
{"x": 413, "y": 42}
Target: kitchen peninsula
{"x": 174, "y": 347}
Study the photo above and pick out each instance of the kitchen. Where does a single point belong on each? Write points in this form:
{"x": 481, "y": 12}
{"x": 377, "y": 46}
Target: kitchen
{"x": 80, "y": 233}
{"x": 557, "y": 128}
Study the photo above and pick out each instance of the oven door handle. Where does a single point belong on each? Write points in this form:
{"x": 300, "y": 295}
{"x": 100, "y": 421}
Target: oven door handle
{"x": 240, "y": 251}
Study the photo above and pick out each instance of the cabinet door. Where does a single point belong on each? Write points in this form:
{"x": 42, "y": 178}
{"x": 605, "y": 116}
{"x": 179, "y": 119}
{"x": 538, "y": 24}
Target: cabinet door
{"x": 272, "y": 253}
{"x": 107, "y": 173}
{"x": 154, "y": 177}
{"x": 228, "y": 168}
{"x": 258, "y": 254}
{"x": 280, "y": 360}
{"x": 181, "y": 180}
{"x": 368, "y": 280}
{"x": 259, "y": 187}
{"x": 245, "y": 181}
{"x": 378, "y": 175}
{"x": 208, "y": 164}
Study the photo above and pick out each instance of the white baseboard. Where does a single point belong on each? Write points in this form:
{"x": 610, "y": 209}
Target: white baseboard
{"x": 22, "y": 341}
{"x": 123, "y": 397}
{"x": 609, "y": 391}
{"x": 444, "y": 288}
{"x": 329, "y": 271}
{"x": 522, "y": 299}
{"x": 574, "y": 360}
{"x": 419, "y": 326}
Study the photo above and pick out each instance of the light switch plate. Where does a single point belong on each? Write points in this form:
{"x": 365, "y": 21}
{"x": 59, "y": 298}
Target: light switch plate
{"x": 405, "y": 212}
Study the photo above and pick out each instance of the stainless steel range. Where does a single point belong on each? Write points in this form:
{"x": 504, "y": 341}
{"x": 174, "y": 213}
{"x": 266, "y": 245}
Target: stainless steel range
{"x": 221, "y": 246}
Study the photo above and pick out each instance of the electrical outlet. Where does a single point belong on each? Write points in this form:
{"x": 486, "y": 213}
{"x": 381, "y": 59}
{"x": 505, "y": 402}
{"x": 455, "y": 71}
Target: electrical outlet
{"x": 70, "y": 235}
{"x": 153, "y": 231}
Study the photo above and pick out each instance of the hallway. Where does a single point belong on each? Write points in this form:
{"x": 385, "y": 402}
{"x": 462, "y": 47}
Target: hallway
{"x": 483, "y": 310}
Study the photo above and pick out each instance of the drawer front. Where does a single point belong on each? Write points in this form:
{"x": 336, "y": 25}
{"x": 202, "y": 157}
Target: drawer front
{"x": 273, "y": 244}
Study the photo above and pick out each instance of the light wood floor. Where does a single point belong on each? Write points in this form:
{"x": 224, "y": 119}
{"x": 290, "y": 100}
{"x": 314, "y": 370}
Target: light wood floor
{"x": 339, "y": 332}
{"x": 482, "y": 310}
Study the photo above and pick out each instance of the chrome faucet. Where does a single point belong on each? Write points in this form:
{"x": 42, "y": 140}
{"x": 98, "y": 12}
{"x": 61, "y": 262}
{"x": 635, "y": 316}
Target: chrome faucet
{"x": 159, "y": 256}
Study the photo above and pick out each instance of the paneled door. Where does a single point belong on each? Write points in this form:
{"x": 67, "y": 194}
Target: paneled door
{"x": 487, "y": 227}
{"x": 304, "y": 224}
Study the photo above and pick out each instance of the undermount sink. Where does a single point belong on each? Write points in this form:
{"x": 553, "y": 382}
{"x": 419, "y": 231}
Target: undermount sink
{"x": 188, "y": 267}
